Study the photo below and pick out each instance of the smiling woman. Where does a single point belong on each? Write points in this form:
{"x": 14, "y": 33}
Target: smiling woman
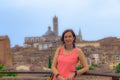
{"x": 67, "y": 57}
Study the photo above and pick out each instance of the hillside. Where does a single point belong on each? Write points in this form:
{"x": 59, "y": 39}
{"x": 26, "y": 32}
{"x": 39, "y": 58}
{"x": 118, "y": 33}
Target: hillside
{"x": 38, "y": 60}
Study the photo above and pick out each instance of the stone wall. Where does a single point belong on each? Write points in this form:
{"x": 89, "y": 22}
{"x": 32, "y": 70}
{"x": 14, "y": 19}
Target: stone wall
{"x": 83, "y": 44}
{"x": 5, "y": 51}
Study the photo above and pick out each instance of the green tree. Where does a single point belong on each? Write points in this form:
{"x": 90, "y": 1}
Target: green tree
{"x": 118, "y": 68}
{"x": 49, "y": 62}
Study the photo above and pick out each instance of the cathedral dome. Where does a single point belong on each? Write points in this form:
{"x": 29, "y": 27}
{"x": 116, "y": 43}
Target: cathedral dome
{"x": 49, "y": 32}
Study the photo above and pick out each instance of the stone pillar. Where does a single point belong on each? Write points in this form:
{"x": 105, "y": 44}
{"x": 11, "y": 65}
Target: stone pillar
{"x": 5, "y": 51}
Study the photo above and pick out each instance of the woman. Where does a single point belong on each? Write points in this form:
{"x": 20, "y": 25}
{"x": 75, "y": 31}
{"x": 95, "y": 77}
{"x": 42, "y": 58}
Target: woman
{"x": 66, "y": 58}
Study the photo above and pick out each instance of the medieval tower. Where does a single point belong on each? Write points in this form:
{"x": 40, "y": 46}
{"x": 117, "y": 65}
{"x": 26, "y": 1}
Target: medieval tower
{"x": 55, "y": 25}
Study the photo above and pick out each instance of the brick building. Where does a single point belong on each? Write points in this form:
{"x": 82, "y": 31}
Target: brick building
{"x": 5, "y": 51}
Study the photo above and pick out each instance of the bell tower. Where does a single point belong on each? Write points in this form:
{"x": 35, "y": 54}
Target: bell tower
{"x": 55, "y": 25}
{"x": 80, "y": 35}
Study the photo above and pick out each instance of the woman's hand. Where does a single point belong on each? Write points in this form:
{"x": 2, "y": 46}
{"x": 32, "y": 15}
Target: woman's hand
{"x": 61, "y": 78}
{"x": 70, "y": 77}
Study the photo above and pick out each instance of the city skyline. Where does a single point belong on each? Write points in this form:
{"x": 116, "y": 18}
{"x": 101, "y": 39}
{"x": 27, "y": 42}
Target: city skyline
{"x": 25, "y": 18}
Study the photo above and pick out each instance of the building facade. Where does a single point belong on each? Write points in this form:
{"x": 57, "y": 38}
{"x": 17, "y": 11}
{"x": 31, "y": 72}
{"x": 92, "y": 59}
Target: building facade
{"x": 49, "y": 39}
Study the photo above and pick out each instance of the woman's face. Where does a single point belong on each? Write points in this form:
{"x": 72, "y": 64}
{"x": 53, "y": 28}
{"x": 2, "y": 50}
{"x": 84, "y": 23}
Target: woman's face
{"x": 68, "y": 38}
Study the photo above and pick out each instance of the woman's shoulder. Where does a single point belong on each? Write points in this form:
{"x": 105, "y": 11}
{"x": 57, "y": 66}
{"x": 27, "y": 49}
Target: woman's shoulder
{"x": 79, "y": 49}
{"x": 60, "y": 47}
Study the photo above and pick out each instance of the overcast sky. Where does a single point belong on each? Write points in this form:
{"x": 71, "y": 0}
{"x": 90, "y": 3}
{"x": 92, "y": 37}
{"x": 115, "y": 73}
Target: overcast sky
{"x": 97, "y": 19}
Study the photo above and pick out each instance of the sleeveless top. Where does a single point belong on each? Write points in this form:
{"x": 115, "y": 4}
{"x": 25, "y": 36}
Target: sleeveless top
{"x": 66, "y": 63}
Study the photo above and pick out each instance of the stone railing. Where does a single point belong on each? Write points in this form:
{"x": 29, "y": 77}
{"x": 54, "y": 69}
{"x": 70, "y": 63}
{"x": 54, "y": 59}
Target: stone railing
{"x": 113, "y": 76}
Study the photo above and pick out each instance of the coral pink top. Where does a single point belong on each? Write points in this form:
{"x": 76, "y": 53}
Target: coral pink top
{"x": 66, "y": 63}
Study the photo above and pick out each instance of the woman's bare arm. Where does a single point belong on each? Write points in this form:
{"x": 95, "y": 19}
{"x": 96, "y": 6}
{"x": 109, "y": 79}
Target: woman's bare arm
{"x": 54, "y": 62}
{"x": 83, "y": 62}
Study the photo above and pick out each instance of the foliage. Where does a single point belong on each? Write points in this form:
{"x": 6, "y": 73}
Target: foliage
{"x": 79, "y": 67}
{"x": 6, "y": 70}
{"x": 90, "y": 67}
{"x": 94, "y": 65}
{"x": 118, "y": 68}
{"x": 49, "y": 62}
{"x": 1, "y": 67}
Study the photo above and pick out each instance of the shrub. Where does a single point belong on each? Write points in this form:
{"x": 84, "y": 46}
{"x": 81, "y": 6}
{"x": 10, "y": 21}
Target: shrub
{"x": 6, "y": 70}
{"x": 79, "y": 67}
{"x": 117, "y": 68}
{"x": 94, "y": 65}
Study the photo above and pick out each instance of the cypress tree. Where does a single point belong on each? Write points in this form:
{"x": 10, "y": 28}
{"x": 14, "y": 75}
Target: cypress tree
{"x": 49, "y": 62}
